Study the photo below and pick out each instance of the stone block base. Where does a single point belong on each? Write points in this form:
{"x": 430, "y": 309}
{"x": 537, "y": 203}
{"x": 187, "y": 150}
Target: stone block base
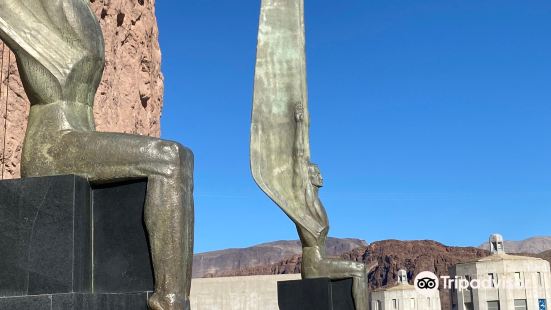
{"x": 315, "y": 294}
{"x": 70, "y": 245}
{"x": 62, "y": 235}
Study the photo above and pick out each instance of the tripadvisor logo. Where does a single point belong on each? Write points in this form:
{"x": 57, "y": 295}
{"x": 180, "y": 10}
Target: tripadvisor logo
{"x": 426, "y": 283}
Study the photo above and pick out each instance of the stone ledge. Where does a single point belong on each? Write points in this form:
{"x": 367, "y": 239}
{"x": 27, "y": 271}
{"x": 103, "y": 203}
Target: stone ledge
{"x": 77, "y": 301}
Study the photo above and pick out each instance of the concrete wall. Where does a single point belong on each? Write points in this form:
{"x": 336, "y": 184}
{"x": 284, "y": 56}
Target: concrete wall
{"x": 237, "y": 293}
{"x": 406, "y": 299}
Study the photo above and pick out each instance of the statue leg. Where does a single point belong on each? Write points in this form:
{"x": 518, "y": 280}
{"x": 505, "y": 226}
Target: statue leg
{"x": 169, "y": 214}
{"x": 359, "y": 292}
{"x": 341, "y": 269}
{"x": 316, "y": 265}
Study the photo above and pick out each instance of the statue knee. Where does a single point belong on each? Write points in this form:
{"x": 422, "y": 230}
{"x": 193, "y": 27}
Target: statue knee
{"x": 178, "y": 158}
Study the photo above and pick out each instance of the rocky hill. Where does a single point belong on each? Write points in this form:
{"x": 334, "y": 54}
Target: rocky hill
{"x": 532, "y": 245}
{"x": 545, "y": 255}
{"x": 260, "y": 256}
{"x": 391, "y": 256}
{"x": 130, "y": 95}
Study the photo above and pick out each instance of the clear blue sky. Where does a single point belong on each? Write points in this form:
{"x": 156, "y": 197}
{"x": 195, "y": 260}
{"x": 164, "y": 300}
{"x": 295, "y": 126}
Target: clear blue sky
{"x": 430, "y": 119}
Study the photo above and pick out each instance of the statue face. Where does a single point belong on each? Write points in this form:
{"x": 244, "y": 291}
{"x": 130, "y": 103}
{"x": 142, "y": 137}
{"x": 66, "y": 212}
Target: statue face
{"x": 315, "y": 175}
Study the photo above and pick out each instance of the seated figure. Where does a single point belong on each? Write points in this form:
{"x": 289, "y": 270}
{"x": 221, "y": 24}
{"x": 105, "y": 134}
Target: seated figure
{"x": 307, "y": 180}
{"x": 60, "y": 55}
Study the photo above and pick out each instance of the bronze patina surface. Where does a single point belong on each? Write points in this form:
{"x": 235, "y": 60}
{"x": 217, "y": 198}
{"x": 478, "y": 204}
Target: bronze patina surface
{"x": 60, "y": 56}
{"x": 280, "y": 146}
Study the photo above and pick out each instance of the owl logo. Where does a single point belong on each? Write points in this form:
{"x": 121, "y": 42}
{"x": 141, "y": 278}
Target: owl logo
{"x": 426, "y": 283}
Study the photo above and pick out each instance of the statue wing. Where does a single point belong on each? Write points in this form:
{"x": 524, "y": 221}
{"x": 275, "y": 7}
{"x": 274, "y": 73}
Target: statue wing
{"x": 279, "y": 85}
{"x": 57, "y": 34}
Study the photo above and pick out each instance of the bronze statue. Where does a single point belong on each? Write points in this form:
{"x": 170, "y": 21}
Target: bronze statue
{"x": 280, "y": 147}
{"x": 60, "y": 55}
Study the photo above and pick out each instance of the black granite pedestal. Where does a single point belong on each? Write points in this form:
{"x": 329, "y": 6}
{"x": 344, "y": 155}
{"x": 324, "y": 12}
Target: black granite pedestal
{"x": 77, "y": 301}
{"x": 315, "y": 294}
{"x": 68, "y": 245}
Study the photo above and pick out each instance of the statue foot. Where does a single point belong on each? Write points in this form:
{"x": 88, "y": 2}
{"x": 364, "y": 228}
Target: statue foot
{"x": 168, "y": 302}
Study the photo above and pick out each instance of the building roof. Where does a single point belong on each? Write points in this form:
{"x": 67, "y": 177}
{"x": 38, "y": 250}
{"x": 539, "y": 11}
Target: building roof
{"x": 398, "y": 287}
{"x": 502, "y": 257}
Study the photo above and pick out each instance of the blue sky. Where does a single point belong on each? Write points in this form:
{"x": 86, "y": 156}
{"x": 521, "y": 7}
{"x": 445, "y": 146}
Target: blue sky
{"x": 430, "y": 119}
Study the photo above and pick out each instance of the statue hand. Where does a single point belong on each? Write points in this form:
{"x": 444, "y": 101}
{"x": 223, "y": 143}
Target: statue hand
{"x": 299, "y": 112}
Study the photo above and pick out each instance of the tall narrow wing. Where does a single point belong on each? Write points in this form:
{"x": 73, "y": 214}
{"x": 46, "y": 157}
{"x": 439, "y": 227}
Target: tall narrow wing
{"x": 280, "y": 85}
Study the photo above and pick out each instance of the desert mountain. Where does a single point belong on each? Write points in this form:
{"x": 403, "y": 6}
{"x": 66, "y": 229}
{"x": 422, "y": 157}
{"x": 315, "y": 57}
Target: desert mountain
{"x": 266, "y": 254}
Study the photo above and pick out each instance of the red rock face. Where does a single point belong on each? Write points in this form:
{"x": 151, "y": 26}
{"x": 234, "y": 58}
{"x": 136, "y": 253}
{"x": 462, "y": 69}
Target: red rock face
{"x": 130, "y": 95}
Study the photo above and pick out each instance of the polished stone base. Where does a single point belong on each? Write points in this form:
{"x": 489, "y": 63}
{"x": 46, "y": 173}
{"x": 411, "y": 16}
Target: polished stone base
{"x": 315, "y": 294}
{"x": 67, "y": 244}
{"x": 45, "y": 239}
{"x": 76, "y": 301}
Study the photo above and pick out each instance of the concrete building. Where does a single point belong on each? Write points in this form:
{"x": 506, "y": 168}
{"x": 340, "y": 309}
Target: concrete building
{"x": 237, "y": 293}
{"x": 501, "y": 282}
{"x": 403, "y": 296}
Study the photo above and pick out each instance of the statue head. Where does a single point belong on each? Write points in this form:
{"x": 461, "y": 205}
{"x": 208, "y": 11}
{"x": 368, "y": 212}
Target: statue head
{"x": 314, "y": 174}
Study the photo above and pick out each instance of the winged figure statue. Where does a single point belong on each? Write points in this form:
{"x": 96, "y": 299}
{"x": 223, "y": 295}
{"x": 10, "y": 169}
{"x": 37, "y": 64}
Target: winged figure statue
{"x": 280, "y": 147}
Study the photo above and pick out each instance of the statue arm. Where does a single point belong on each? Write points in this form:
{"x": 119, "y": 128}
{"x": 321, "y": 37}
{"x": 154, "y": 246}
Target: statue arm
{"x": 301, "y": 181}
{"x": 300, "y": 161}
